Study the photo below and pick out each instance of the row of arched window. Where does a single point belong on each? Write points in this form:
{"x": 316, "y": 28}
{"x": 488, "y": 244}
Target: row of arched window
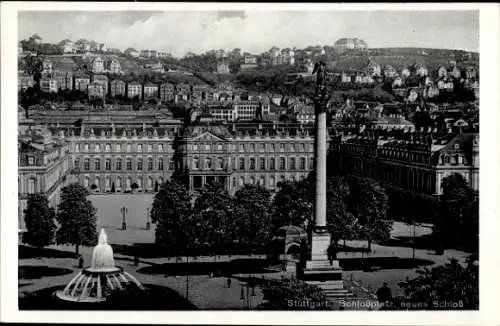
{"x": 451, "y": 159}
{"x": 252, "y": 163}
{"x": 106, "y": 184}
{"x": 120, "y": 164}
{"x": 271, "y": 181}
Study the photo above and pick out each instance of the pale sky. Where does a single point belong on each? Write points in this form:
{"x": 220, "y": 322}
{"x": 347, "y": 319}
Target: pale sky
{"x": 178, "y": 32}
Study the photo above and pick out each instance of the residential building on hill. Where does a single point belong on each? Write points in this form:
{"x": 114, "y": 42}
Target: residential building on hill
{"x": 117, "y": 88}
{"x": 134, "y": 89}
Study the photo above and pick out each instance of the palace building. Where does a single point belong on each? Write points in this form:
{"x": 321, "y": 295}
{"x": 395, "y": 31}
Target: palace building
{"x": 43, "y": 167}
{"x": 106, "y": 159}
{"x": 417, "y": 161}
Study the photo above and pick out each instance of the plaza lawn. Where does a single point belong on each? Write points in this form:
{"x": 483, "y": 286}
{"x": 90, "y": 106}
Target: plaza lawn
{"x": 109, "y": 216}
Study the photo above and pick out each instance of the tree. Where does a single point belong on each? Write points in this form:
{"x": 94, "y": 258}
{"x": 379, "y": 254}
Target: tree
{"x": 449, "y": 284}
{"x": 214, "y": 214}
{"x": 291, "y": 294}
{"x": 172, "y": 214}
{"x": 341, "y": 224}
{"x": 76, "y": 217}
{"x": 39, "y": 219}
{"x": 458, "y": 222}
{"x": 33, "y": 65}
{"x": 253, "y": 218}
{"x": 368, "y": 202}
{"x": 293, "y": 203}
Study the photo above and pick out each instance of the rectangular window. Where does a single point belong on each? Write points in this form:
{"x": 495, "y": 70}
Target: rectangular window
{"x": 31, "y": 160}
{"x": 242, "y": 148}
{"x": 160, "y": 147}
{"x": 150, "y": 147}
{"x": 302, "y": 163}
{"x": 160, "y": 164}
{"x": 118, "y": 147}
{"x": 86, "y": 164}
{"x": 118, "y": 164}
{"x": 97, "y": 148}
{"x": 77, "y": 147}
{"x": 139, "y": 164}
{"x": 262, "y": 164}
{"x": 282, "y": 163}
{"x": 282, "y": 147}
{"x": 242, "y": 163}
{"x": 139, "y": 147}
{"x": 150, "y": 164}
{"x": 291, "y": 163}
{"x": 171, "y": 164}
{"x": 108, "y": 165}
{"x": 129, "y": 148}
{"x": 272, "y": 163}
{"x": 108, "y": 147}
{"x": 262, "y": 147}
{"x": 86, "y": 147}
{"x": 129, "y": 164}
{"x": 97, "y": 164}
{"x": 252, "y": 164}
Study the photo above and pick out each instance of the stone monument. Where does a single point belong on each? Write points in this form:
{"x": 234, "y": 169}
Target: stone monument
{"x": 318, "y": 268}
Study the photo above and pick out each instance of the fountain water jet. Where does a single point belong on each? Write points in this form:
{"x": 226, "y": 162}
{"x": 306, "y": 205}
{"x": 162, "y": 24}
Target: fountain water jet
{"x": 90, "y": 284}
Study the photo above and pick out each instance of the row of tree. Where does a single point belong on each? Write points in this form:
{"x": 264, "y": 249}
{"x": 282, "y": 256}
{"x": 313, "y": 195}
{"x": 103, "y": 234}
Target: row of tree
{"x": 356, "y": 210}
{"x": 75, "y": 217}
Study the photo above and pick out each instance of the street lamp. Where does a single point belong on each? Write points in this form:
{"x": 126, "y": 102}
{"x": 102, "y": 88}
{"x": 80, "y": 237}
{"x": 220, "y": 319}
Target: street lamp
{"x": 124, "y": 211}
{"x": 148, "y": 225}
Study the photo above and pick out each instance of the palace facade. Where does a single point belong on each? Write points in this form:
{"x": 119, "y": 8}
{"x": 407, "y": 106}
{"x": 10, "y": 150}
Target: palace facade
{"x": 122, "y": 159}
{"x": 43, "y": 167}
{"x": 416, "y": 162}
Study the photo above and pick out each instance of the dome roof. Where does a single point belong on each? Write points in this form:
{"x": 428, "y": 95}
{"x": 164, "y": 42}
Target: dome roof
{"x": 291, "y": 232}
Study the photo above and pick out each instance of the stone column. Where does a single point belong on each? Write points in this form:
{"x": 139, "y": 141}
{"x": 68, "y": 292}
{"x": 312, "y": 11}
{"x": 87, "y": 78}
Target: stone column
{"x": 320, "y": 155}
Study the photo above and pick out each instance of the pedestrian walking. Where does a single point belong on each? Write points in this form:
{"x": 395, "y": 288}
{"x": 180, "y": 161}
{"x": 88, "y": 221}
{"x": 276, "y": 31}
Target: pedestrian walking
{"x": 228, "y": 282}
{"x": 80, "y": 262}
{"x": 384, "y": 293}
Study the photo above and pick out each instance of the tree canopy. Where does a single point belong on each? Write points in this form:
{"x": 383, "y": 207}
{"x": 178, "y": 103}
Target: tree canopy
{"x": 39, "y": 219}
{"x": 448, "y": 287}
{"x": 172, "y": 214}
{"x": 76, "y": 217}
{"x": 253, "y": 213}
{"x": 458, "y": 221}
{"x": 292, "y": 294}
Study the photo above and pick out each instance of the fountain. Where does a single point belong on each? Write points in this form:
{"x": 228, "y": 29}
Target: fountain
{"x": 90, "y": 284}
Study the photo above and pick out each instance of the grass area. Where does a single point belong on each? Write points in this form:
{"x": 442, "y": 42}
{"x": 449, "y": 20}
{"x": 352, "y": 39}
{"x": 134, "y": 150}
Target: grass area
{"x": 381, "y": 263}
{"x": 226, "y": 268}
{"x": 37, "y": 272}
{"x": 28, "y": 252}
{"x": 156, "y": 298}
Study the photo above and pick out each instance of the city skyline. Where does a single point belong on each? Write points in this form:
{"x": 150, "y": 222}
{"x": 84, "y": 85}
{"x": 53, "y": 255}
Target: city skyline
{"x": 248, "y": 30}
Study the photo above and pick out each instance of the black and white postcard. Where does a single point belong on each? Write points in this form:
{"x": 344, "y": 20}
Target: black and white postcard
{"x": 189, "y": 160}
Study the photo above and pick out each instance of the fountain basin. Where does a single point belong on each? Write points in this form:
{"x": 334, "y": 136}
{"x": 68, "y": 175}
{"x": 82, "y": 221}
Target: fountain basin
{"x": 91, "y": 284}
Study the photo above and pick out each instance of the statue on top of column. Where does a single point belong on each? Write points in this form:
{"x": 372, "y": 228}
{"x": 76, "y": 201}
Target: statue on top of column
{"x": 320, "y": 98}
{"x": 320, "y": 71}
